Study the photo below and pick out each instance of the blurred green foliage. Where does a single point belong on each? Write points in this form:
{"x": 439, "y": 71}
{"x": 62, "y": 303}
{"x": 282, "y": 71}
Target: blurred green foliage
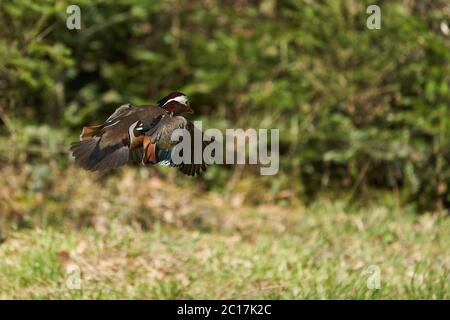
{"x": 357, "y": 109}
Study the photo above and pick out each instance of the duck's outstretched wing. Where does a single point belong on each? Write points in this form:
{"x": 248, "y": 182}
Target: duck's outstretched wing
{"x": 91, "y": 155}
{"x": 158, "y": 145}
{"x": 107, "y": 145}
{"x": 95, "y": 131}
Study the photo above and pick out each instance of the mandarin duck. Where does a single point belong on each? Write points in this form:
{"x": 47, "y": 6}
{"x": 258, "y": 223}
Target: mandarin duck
{"x": 140, "y": 134}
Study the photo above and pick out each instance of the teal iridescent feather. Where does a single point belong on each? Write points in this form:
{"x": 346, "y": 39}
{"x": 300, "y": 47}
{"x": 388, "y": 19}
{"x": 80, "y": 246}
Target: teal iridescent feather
{"x": 164, "y": 157}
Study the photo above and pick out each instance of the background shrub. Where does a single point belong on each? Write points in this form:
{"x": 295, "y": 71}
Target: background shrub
{"x": 358, "y": 110}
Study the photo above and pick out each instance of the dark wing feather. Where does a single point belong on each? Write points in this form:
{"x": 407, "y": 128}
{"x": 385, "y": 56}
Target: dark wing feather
{"x": 161, "y": 135}
{"x": 91, "y": 156}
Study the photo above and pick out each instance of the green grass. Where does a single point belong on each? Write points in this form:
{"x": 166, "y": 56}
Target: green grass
{"x": 223, "y": 252}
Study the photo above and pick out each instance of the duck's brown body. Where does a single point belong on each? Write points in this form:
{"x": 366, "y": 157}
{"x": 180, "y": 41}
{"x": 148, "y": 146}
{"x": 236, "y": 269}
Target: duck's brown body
{"x": 133, "y": 133}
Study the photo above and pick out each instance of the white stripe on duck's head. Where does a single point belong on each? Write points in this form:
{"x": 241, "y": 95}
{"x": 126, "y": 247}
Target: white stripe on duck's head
{"x": 175, "y": 102}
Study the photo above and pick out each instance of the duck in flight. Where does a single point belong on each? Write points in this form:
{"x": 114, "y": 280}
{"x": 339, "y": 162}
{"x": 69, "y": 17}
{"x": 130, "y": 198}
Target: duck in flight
{"x": 140, "y": 134}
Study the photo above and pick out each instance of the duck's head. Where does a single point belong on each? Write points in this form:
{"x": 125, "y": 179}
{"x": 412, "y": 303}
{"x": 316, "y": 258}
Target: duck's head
{"x": 175, "y": 102}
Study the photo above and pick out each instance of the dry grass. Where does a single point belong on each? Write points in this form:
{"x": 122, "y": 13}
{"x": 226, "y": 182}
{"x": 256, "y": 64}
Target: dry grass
{"x": 135, "y": 236}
